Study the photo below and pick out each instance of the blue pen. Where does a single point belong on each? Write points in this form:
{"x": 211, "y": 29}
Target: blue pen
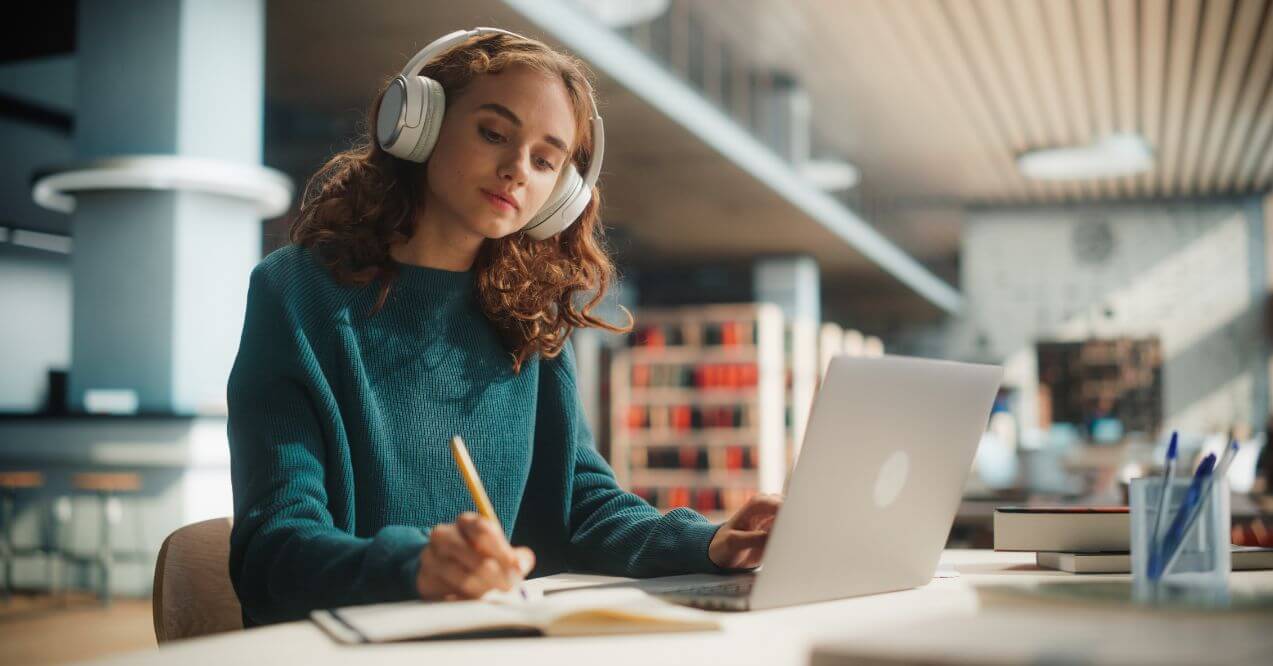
{"x": 1173, "y": 538}
{"x": 1168, "y": 474}
{"x": 1221, "y": 470}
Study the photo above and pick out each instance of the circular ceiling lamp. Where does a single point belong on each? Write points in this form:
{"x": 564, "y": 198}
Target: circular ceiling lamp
{"x": 829, "y": 175}
{"x": 1121, "y": 154}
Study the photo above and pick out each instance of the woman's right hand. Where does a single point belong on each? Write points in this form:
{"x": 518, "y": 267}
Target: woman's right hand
{"x": 468, "y": 558}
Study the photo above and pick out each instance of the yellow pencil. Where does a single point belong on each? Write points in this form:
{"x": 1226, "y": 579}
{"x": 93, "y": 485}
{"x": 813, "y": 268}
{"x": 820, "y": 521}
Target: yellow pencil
{"x": 477, "y": 490}
{"x": 472, "y": 480}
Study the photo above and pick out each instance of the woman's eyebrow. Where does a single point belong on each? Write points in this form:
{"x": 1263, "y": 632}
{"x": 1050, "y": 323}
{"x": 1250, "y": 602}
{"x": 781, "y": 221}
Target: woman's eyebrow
{"x": 512, "y": 118}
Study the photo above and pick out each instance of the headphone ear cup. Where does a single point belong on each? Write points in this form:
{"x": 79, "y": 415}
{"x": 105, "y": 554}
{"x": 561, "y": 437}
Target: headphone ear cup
{"x": 565, "y": 204}
{"x": 434, "y": 100}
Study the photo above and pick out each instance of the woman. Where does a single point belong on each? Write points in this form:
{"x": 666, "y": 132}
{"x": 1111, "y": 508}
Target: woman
{"x": 413, "y": 306}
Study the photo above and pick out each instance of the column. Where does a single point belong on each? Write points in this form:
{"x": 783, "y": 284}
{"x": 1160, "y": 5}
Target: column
{"x": 160, "y": 274}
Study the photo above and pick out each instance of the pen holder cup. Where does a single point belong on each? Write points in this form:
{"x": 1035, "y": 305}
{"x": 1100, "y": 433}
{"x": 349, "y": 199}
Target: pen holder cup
{"x": 1202, "y": 566}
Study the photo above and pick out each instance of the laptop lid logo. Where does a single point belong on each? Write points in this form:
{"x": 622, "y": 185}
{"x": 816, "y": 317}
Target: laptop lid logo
{"x": 892, "y": 476}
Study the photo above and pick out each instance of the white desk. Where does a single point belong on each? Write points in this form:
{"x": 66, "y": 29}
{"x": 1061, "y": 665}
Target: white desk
{"x": 778, "y": 636}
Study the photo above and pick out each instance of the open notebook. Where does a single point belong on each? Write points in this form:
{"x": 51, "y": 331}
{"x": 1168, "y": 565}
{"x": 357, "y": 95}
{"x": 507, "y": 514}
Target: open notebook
{"x": 572, "y": 613}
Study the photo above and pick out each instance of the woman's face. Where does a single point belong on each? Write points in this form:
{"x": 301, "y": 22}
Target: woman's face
{"x": 507, "y": 135}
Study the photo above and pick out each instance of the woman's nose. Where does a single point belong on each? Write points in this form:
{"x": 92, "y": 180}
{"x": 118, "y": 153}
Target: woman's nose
{"x": 515, "y": 168}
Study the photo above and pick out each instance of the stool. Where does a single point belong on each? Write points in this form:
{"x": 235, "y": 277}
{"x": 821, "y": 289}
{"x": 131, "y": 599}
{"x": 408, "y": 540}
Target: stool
{"x": 106, "y": 485}
{"x": 10, "y": 484}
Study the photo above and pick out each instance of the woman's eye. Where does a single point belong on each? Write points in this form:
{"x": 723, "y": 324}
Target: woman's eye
{"x": 495, "y": 137}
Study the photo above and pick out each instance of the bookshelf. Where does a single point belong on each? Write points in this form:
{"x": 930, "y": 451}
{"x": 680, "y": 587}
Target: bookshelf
{"x": 1119, "y": 378}
{"x": 801, "y": 353}
{"x": 830, "y": 344}
{"x": 697, "y": 406}
{"x": 833, "y": 340}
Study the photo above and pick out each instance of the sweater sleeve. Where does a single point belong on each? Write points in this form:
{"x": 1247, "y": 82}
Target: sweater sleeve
{"x": 287, "y": 556}
{"x": 613, "y": 531}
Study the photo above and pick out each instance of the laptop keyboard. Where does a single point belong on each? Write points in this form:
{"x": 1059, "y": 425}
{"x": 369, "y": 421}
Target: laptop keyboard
{"x": 725, "y": 589}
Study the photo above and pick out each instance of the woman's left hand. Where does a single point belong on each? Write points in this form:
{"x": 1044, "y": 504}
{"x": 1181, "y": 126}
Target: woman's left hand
{"x": 740, "y": 542}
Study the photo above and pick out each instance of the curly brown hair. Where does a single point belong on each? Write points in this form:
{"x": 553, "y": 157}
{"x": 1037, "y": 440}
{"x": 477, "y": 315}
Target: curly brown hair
{"x": 364, "y": 200}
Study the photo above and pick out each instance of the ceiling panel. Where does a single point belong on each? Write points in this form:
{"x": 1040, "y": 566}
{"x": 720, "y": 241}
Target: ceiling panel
{"x": 943, "y": 95}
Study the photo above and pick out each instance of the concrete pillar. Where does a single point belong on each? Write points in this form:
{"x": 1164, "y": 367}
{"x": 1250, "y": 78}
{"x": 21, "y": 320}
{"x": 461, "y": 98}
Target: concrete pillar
{"x": 793, "y": 283}
{"x": 160, "y": 276}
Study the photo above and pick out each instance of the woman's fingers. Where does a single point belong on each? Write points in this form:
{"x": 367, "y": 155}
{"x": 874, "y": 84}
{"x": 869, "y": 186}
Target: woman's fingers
{"x": 488, "y": 540}
{"x": 741, "y": 548}
{"x": 757, "y": 510}
{"x": 740, "y": 539}
{"x": 526, "y": 557}
{"x": 475, "y": 583}
{"x": 452, "y": 545}
{"x": 455, "y": 564}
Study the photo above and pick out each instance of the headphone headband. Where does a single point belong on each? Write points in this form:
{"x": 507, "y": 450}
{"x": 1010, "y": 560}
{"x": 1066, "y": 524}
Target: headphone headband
{"x": 410, "y": 115}
{"x": 420, "y": 59}
{"x": 441, "y": 44}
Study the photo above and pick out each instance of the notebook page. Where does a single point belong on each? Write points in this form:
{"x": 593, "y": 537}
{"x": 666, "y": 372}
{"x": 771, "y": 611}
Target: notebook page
{"x": 419, "y": 619}
{"x": 616, "y": 610}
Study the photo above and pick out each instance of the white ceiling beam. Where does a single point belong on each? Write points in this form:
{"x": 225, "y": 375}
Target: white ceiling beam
{"x": 611, "y": 54}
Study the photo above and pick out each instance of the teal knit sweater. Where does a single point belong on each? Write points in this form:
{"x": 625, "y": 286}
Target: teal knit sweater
{"x": 339, "y": 429}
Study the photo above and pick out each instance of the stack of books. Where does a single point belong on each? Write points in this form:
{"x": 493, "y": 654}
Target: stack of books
{"x": 1087, "y": 539}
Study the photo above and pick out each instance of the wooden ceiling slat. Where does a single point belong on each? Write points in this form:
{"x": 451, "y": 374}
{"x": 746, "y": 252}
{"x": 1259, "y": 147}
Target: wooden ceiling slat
{"x": 1028, "y": 19}
{"x": 942, "y": 38}
{"x": 1006, "y": 41}
{"x": 1260, "y": 144}
{"x": 1154, "y": 22}
{"x": 1237, "y": 59}
{"x": 1179, "y": 84}
{"x": 1263, "y": 180}
{"x": 1211, "y": 48}
{"x": 1094, "y": 37}
{"x": 916, "y": 23}
{"x": 1022, "y": 85}
{"x": 1060, "y": 20}
{"x": 1248, "y": 106}
{"x": 1124, "y": 43}
{"x": 911, "y": 84}
{"x": 990, "y": 80}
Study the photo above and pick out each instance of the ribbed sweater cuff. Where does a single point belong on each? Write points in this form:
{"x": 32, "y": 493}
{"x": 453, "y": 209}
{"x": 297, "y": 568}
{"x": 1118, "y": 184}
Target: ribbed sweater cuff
{"x": 405, "y": 556}
{"x": 696, "y": 537}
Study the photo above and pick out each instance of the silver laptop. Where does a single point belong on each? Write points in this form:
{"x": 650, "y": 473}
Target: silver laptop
{"x": 869, "y": 505}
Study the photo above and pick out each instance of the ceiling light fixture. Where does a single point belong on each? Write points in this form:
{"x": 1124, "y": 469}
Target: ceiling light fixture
{"x": 829, "y": 175}
{"x": 624, "y": 13}
{"x": 1120, "y": 154}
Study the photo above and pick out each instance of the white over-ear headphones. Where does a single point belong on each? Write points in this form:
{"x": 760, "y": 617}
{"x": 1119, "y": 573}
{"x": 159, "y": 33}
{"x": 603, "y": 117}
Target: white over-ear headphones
{"x": 411, "y": 115}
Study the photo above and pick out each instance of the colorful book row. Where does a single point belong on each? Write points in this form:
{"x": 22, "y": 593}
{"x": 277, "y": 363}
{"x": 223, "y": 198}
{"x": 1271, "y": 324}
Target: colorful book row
{"x": 699, "y": 499}
{"x": 704, "y": 375}
{"x": 689, "y": 417}
{"x": 694, "y": 334}
{"x": 733, "y": 457}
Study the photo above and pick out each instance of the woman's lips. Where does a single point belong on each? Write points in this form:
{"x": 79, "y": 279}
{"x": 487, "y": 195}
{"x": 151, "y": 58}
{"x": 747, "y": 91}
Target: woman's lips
{"x": 499, "y": 202}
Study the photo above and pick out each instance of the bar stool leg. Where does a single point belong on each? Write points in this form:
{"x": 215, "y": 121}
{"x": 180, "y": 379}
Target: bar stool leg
{"x": 140, "y": 556}
{"x": 47, "y": 546}
{"x": 6, "y": 543}
{"x": 62, "y": 509}
{"x": 104, "y": 551}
